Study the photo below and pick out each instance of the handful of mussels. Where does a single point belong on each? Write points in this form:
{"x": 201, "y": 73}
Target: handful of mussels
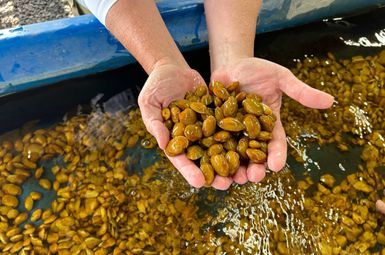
{"x": 219, "y": 128}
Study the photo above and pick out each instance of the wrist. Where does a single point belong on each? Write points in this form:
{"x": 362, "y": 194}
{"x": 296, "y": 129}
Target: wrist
{"x": 169, "y": 61}
{"x": 227, "y": 59}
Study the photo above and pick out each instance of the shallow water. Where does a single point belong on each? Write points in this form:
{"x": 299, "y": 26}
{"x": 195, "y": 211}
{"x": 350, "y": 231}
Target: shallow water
{"x": 263, "y": 218}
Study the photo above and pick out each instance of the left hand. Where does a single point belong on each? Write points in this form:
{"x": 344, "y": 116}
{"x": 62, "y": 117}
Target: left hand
{"x": 269, "y": 80}
{"x": 166, "y": 83}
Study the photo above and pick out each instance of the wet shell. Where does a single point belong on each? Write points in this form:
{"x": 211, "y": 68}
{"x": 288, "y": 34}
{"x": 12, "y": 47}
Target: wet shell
{"x": 220, "y": 165}
{"x": 267, "y": 122}
{"x": 233, "y": 159}
{"x": 193, "y": 132}
{"x": 194, "y": 152}
{"x": 208, "y": 173}
{"x": 230, "y": 107}
{"x": 177, "y": 145}
{"x": 231, "y": 124}
{"x": 252, "y": 106}
{"x": 256, "y": 156}
{"x": 187, "y": 117}
{"x": 252, "y": 126}
{"x": 199, "y": 107}
{"x": 209, "y": 126}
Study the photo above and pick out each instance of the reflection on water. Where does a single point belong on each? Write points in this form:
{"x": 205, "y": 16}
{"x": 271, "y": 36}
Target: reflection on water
{"x": 354, "y": 124}
{"x": 365, "y": 42}
{"x": 259, "y": 218}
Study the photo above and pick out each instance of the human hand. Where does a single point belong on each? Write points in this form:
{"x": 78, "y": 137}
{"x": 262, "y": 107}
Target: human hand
{"x": 380, "y": 206}
{"x": 165, "y": 84}
{"x": 269, "y": 80}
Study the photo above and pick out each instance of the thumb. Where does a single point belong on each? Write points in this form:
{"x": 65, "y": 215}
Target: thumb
{"x": 221, "y": 76}
{"x": 303, "y": 93}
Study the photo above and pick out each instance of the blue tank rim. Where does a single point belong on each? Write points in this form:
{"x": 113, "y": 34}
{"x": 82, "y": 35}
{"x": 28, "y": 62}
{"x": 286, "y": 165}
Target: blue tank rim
{"x": 36, "y": 55}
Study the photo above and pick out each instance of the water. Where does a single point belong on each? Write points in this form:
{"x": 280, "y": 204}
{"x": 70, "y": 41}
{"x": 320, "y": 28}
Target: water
{"x": 278, "y": 216}
{"x": 251, "y": 219}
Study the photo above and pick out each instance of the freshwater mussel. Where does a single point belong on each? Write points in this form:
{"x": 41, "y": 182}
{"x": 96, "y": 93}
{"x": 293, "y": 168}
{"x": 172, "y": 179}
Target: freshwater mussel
{"x": 220, "y": 128}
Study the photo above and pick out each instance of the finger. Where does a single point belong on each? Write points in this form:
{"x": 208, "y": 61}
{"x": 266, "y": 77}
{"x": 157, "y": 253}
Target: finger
{"x": 277, "y": 149}
{"x": 240, "y": 176}
{"x": 160, "y": 132}
{"x": 221, "y": 183}
{"x": 189, "y": 170}
{"x": 197, "y": 80}
{"x": 256, "y": 172}
{"x": 380, "y": 206}
{"x": 303, "y": 93}
{"x": 152, "y": 119}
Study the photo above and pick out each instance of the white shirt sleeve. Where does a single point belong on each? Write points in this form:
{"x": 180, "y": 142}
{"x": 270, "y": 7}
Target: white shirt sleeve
{"x": 99, "y": 8}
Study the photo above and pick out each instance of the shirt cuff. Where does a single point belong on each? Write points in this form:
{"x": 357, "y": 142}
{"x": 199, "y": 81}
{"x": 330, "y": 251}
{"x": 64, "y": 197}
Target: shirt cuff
{"x": 99, "y": 8}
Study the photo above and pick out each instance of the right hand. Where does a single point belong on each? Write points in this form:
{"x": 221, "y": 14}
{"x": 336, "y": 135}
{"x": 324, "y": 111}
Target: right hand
{"x": 269, "y": 80}
{"x": 165, "y": 84}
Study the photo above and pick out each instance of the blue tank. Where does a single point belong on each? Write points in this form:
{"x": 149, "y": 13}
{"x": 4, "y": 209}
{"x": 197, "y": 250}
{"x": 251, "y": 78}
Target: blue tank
{"x": 44, "y": 53}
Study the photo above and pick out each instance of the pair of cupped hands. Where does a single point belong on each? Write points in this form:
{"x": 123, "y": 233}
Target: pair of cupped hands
{"x": 169, "y": 82}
